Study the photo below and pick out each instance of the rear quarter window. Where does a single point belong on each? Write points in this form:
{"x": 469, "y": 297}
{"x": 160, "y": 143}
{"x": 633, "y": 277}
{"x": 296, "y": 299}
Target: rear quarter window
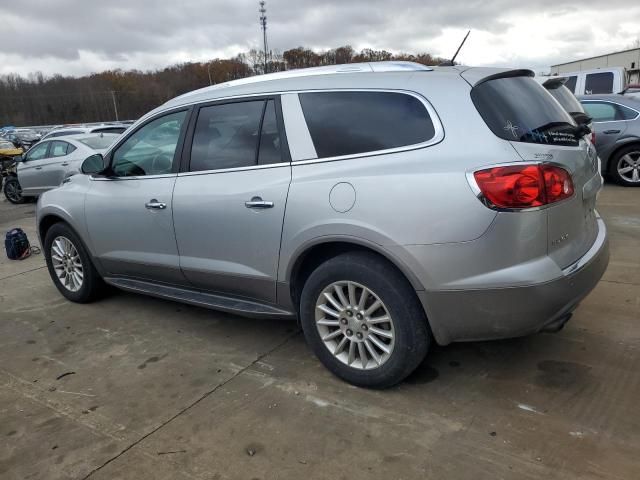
{"x": 349, "y": 123}
{"x": 519, "y": 109}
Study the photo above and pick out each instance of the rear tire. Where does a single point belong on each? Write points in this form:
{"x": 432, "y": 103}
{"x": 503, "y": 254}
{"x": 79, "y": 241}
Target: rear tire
{"x": 70, "y": 265}
{"x": 13, "y": 191}
{"x": 335, "y": 315}
{"x": 624, "y": 167}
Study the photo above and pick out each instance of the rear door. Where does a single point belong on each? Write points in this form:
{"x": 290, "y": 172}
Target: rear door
{"x": 229, "y": 202}
{"x": 521, "y": 111}
{"x": 60, "y": 154}
{"x": 609, "y": 121}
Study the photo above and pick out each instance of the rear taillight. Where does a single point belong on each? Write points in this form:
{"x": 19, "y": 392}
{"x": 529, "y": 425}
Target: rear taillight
{"x": 593, "y": 137}
{"x": 523, "y": 186}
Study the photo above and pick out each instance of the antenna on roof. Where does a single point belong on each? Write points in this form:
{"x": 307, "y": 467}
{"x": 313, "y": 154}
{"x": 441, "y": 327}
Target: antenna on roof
{"x": 451, "y": 63}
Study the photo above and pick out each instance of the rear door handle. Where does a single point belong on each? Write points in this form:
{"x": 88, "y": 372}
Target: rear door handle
{"x": 65, "y": 164}
{"x": 611, "y": 132}
{"x": 155, "y": 205}
{"x": 38, "y": 168}
{"x": 257, "y": 202}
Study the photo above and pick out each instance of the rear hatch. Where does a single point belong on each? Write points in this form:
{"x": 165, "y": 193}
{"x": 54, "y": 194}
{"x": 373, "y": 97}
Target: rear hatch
{"x": 519, "y": 110}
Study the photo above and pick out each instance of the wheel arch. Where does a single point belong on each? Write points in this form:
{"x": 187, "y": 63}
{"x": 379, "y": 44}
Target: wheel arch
{"x": 48, "y": 221}
{"x": 314, "y": 253}
{"x": 630, "y": 142}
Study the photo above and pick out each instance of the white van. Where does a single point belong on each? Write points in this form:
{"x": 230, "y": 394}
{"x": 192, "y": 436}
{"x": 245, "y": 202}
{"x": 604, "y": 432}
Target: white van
{"x": 596, "y": 81}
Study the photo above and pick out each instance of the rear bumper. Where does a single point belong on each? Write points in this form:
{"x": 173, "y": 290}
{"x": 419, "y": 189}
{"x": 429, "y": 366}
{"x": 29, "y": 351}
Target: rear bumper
{"x": 493, "y": 313}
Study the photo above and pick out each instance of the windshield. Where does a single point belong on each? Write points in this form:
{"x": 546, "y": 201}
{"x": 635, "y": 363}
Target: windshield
{"x": 519, "y": 109}
{"x": 98, "y": 142}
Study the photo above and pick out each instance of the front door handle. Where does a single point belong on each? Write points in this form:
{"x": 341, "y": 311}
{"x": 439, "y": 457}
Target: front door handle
{"x": 65, "y": 164}
{"x": 257, "y": 202}
{"x": 611, "y": 132}
{"x": 38, "y": 168}
{"x": 155, "y": 205}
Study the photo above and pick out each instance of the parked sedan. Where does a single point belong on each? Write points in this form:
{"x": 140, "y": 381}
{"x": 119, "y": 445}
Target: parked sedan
{"x": 617, "y": 124}
{"x": 66, "y": 131}
{"x": 48, "y": 163}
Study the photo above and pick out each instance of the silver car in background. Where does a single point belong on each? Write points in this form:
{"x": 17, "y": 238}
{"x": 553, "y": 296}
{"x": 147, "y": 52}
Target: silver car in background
{"x": 49, "y": 162}
{"x": 386, "y": 205}
{"x": 617, "y": 129}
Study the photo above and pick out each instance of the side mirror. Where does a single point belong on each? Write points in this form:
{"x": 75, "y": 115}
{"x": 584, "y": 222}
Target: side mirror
{"x": 19, "y": 158}
{"x": 93, "y": 164}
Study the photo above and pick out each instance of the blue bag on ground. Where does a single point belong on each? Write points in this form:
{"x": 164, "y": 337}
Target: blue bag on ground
{"x": 16, "y": 244}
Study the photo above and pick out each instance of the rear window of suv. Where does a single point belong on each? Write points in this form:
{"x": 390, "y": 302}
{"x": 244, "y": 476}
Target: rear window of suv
{"x": 357, "y": 122}
{"x": 520, "y": 110}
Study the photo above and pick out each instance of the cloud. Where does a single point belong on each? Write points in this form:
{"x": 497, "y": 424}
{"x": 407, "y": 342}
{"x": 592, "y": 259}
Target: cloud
{"x": 78, "y": 36}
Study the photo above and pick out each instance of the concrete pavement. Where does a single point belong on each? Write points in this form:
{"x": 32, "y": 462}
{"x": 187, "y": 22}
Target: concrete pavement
{"x": 133, "y": 387}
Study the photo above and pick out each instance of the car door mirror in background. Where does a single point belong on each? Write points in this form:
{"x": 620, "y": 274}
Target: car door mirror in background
{"x": 93, "y": 164}
{"x": 19, "y": 158}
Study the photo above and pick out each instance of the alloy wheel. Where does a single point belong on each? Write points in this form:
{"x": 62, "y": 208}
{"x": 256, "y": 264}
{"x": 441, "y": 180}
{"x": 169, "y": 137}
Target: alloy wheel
{"x": 13, "y": 191}
{"x": 67, "y": 263}
{"x": 629, "y": 167}
{"x": 355, "y": 325}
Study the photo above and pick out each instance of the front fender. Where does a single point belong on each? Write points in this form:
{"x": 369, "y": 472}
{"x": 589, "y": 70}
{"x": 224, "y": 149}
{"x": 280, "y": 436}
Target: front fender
{"x": 66, "y": 203}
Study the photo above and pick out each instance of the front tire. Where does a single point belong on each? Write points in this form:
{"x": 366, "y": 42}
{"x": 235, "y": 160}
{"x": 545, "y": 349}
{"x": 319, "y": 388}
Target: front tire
{"x": 363, "y": 320}
{"x": 625, "y": 167}
{"x": 70, "y": 265}
{"x": 13, "y": 190}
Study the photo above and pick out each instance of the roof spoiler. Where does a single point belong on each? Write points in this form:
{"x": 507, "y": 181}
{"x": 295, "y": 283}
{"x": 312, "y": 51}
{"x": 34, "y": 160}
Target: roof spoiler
{"x": 555, "y": 82}
{"x": 478, "y": 75}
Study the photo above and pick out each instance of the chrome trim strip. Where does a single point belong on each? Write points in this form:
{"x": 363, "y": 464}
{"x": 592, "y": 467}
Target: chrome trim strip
{"x": 142, "y": 177}
{"x": 595, "y": 100}
{"x": 234, "y": 169}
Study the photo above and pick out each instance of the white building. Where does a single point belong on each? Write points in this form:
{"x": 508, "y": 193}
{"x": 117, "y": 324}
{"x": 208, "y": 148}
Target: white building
{"x": 627, "y": 59}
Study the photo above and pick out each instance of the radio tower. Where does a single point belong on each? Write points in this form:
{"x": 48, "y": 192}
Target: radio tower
{"x": 263, "y": 25}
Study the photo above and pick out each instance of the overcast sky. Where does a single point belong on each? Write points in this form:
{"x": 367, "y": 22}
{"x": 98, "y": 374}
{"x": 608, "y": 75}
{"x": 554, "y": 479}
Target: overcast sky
{"x": 75, "y": 37}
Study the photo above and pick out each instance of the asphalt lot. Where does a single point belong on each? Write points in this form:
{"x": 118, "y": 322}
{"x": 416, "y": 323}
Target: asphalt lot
{"x": 139, "y": 388}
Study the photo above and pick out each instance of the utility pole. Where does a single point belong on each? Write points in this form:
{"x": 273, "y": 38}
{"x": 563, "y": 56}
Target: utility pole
{"x": 209, "y": 72}
{"x": 115, "y": 106}
{"x": 263, "y": 25}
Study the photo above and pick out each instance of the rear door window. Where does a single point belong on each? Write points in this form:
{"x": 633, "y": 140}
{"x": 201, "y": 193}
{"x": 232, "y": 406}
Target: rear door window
{"x": 58, "y": 149}
{"x": 609, "y": 112}
{"x": 348, "y": 123}
{"x": 596, "y": 83}
{"x": 520, "y": 110}
{"x": 270, "y": 143}
{"x": 226, "y": 136}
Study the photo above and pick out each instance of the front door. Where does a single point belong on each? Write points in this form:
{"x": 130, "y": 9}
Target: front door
{"x": 31, "y": 171}
{"x": 129, "y": 213}
{"x": 229, "y": 203}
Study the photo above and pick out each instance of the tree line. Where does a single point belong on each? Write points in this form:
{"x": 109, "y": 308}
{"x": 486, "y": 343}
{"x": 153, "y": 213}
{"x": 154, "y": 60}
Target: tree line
{"x": 40, "y": 100}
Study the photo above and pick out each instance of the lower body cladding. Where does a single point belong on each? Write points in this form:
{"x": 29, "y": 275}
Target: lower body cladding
{"x": 510, "y": 311}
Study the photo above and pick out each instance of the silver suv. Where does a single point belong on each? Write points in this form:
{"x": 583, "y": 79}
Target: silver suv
{"x": 386, "y": 205}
